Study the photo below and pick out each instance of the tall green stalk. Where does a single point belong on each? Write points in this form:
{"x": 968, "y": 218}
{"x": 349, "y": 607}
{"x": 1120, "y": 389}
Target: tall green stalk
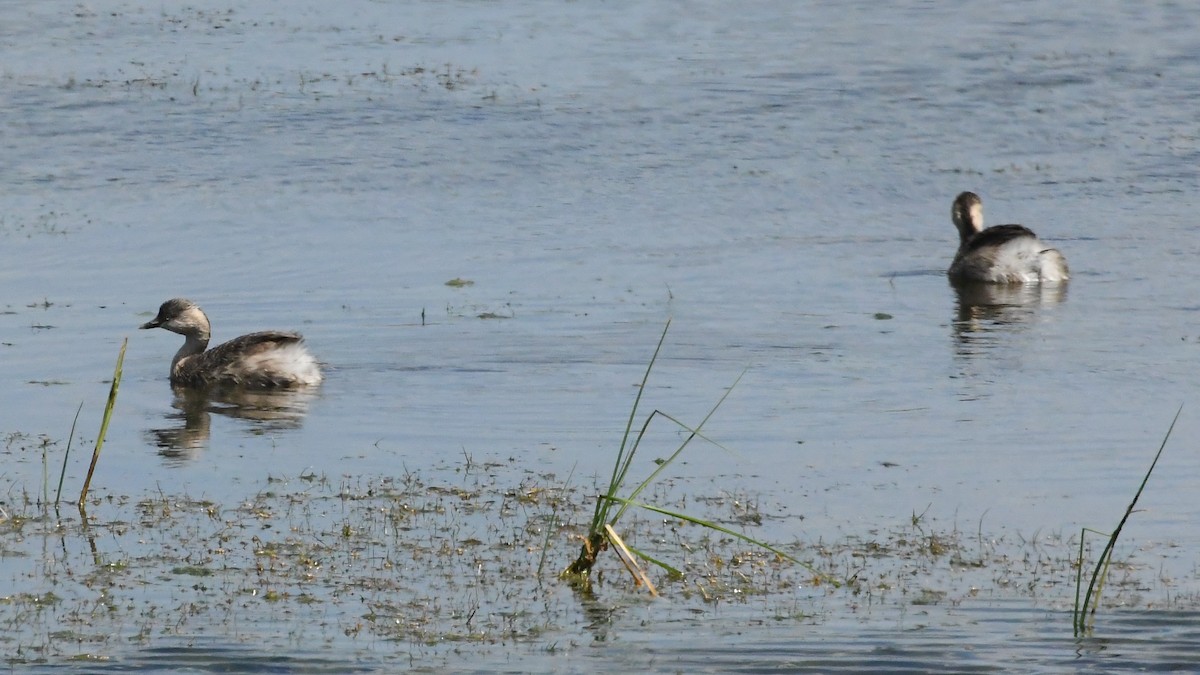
{"x": 597, "y": 538}
{"x": 1083, "y": 609}
{"x": 108, "y": 408}
{"x": 62, "y": 474}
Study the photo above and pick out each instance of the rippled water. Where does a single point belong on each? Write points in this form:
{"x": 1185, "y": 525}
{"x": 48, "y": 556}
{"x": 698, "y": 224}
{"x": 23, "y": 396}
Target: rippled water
{"x": 776, "y": 178}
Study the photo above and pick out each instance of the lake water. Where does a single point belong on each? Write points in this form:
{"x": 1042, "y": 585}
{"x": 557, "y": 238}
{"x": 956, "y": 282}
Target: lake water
{"x": 774, "y": 178}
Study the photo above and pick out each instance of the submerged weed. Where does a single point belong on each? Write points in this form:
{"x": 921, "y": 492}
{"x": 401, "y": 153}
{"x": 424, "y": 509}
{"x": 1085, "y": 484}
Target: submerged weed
{"x": 449, "y": 562}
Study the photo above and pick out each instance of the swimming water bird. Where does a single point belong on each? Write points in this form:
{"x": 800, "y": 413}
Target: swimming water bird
{"x": 264, "y": 359}
{"x": 1001, "y": 254}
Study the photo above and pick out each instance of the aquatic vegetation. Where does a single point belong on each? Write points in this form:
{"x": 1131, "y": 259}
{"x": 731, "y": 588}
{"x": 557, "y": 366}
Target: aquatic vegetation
{"x": 439, "y": 566}
{"x": 1087, "y": 606}
{"x": 601, "y": 532}
{"x": 62, "y": 474}
{"x": 108, "y": 409}
{"x": 426, "y": 561}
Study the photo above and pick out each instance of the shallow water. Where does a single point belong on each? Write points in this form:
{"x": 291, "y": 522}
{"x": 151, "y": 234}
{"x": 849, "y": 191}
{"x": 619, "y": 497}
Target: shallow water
{"x": 777, "y": 180}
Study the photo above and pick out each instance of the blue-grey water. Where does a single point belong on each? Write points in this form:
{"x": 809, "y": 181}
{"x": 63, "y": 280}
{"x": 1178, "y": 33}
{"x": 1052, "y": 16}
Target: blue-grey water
{"x": 774, "y": 177}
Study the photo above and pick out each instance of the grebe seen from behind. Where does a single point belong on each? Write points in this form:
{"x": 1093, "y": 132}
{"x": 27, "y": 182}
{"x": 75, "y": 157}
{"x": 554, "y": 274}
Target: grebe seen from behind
{"x": 1001, "y": 254}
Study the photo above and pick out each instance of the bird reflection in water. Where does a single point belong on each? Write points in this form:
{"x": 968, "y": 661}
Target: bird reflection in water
{"x": 265, "y": 411}
{"x": 984, "y": 309}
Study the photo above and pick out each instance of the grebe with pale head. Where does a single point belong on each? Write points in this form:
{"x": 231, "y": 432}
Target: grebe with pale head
{"x": 1001, "y": 254}
{"x": 264, "y": 359}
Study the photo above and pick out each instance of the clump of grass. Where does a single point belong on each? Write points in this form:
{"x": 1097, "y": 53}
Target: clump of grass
{"x": 1088, "y": 605}
{"x": 108, "y": 408}
{"x": 602, "y": 532}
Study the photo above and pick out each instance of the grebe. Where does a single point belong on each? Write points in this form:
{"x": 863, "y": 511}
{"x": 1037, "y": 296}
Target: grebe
{"x": 1001, "y": 254}
{"x": 265, "y": 359}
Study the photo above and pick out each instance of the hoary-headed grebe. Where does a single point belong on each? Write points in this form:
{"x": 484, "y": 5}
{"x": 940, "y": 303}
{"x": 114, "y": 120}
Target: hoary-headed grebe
{"x": 1001, "y": 254}
{"x": 265, "y": 359}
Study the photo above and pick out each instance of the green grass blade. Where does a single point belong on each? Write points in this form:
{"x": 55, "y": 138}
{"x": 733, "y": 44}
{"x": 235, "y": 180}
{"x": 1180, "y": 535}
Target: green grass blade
{"x": 621, "y": 466}
{"x": 108, "y": 409}
{"x": 637, "y": 400}
{"x": 654, "y": 561}
{"x": 693, "y": 434}
{"x": 637, "y": 443}
{"x": 1106, "y": 555}
{"x": 1079, "y": 582}
{"x": 719, "y": 528}
{"x": 66, "y": 455}
{"x": 1079, "y": 576}
{"x": 550, "y": 527}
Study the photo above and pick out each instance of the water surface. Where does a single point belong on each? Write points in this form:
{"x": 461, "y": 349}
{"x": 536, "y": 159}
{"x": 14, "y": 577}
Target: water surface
{"x": 777, "y": 180}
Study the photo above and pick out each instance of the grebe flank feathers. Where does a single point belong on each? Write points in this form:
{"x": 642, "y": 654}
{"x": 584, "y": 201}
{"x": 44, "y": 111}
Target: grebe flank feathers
{"x": 1001, "y": 254}
{"x": 264, "y": 359}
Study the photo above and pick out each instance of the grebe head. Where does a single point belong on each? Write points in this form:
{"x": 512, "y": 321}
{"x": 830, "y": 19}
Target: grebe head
{"x": 967, "y": 214}
{"x": 182, "y": 316}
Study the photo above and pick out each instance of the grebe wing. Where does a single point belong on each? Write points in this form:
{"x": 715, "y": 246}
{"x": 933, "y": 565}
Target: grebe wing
{"x": 233, "y": 361}
{"x": 997, "y": 235}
